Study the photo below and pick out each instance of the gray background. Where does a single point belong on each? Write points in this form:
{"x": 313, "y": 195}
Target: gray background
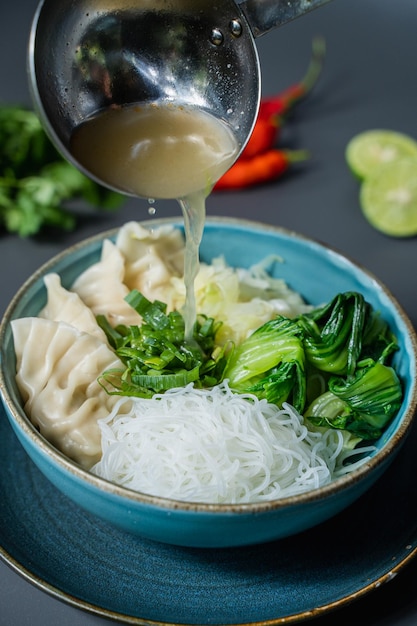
{"x": 369, "y": 81}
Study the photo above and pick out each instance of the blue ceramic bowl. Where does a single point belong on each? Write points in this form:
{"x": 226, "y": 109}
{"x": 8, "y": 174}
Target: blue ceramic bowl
{"x": 318, "y": 273}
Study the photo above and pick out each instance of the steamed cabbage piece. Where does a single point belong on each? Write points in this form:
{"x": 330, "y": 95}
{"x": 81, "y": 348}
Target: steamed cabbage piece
{"x": 243, "y": 299}
{"x": 58, "y": 378}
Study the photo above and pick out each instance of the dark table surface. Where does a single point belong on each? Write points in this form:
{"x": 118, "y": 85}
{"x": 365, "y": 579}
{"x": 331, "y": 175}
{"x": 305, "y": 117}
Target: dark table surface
{"x": 369, "y": 81}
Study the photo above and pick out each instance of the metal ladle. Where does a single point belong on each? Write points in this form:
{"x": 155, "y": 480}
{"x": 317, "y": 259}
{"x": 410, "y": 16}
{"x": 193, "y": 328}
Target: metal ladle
{"x": 88, "y": 55}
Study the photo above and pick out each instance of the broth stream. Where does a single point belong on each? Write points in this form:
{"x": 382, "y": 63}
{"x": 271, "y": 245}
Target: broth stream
{"x": 161, "y": 152}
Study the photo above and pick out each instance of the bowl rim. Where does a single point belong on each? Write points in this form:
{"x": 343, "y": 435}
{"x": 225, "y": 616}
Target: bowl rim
{"x": 136, "y": 498}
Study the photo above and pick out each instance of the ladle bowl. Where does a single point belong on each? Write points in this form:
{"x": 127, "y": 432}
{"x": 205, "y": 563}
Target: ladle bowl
{"x": 89, "y": 55}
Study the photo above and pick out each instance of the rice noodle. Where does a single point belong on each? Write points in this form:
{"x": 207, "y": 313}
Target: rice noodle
{"x": 215, "y": 446}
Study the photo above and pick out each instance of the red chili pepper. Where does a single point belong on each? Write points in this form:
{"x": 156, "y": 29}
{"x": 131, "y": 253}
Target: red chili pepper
{"x": 262, "y": 168}
{"x": 270, "y": 118}
{"x": 281, "y": 104}
{"x": 263, "y": 137}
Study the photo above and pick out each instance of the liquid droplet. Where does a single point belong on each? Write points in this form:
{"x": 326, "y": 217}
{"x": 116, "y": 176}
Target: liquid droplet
{"x": 151, "y": 207}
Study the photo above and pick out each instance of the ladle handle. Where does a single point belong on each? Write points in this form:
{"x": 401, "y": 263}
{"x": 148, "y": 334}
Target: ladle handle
{"x": 264, "y": 15}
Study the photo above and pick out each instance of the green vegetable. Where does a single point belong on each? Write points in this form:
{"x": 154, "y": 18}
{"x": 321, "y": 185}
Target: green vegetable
{"x": 344, "y": 331}
{"x": 271, "y": 364}
{"x": 346, "y": 345}
{"x": 36, "y": 182}
{"x": 363, "y": 405}
{"x": 333, "y": 333}
{"x": 157, "y": 354}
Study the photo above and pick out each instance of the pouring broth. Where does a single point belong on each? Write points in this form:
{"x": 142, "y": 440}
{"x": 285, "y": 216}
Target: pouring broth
{"x": 151, "y": 151}
{"x": 163, "y": 152}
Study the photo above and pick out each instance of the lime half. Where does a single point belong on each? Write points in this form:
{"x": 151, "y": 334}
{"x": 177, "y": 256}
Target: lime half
{"x": 373, "y": 148}
{"x": 388, "y": 198}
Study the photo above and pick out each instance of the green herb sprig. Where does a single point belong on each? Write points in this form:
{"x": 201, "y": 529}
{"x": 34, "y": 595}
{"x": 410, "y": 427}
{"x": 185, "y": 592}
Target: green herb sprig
{"x": 36, "y": 182}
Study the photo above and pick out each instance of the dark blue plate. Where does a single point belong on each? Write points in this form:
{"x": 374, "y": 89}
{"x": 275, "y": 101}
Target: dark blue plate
{"x": 91, "y": 565}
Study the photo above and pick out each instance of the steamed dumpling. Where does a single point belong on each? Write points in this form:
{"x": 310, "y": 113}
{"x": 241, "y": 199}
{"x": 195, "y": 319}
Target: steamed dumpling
{"x": 66, "y": 306}
{"x": 57, "y": 367}
{"x": 102, "y": 289}
{"x": 152, "y": 258}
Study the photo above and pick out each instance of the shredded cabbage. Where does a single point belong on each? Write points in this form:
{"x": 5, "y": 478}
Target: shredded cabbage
{"x": 243, "y": 299}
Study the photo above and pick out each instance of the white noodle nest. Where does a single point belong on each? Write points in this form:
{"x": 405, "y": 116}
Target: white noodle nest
{"x": 214, "y": 446}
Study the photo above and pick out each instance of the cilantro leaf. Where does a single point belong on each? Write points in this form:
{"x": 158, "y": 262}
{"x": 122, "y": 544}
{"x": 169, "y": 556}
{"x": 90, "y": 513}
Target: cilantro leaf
{"x": 36, "y": 182}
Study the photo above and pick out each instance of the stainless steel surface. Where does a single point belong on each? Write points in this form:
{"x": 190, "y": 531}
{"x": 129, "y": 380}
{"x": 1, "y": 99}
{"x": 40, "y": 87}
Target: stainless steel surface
{"x": 264, "y": 15}
{"x": 88, "y": 55}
